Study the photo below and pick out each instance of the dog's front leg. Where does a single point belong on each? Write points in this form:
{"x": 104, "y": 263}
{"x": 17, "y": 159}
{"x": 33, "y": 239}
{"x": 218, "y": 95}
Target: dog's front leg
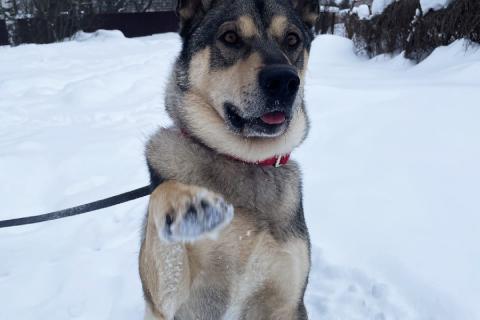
{"x": 178, "y": 214}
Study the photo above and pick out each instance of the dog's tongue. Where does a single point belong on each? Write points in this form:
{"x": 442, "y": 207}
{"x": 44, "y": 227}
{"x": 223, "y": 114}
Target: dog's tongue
{"x": 273, "y": 118}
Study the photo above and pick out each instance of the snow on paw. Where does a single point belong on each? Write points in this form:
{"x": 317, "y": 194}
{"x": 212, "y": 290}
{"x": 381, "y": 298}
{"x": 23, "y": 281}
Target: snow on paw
{"x": 205, "y": 216}
{"x": 189, "y": 213}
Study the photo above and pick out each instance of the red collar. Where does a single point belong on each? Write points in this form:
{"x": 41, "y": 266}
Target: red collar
{"x": 275, "y": 161}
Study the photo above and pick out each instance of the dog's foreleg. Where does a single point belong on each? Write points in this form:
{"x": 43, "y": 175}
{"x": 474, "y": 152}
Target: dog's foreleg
{"x": 178, "y": 214}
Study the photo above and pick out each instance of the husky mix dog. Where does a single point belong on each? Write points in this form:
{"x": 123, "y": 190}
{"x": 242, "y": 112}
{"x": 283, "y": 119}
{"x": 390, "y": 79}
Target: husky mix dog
{"x": 225, "y": 236}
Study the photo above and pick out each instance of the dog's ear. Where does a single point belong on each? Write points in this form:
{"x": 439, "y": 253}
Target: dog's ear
{"x": 191, "y": 11}
{"x": 309, "y": 10}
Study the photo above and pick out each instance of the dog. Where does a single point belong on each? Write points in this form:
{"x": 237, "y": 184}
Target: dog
{"x": 225, "y": 235}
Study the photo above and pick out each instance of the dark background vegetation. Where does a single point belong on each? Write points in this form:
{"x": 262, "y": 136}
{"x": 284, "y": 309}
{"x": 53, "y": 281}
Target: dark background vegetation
{"x": 46, "y": 21}
{"x": 401, "y": 27}
{"x": 404, "y": 27}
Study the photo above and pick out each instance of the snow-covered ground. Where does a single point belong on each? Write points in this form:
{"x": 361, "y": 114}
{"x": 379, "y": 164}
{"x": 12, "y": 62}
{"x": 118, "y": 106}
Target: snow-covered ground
{"x": 391, "y": 168}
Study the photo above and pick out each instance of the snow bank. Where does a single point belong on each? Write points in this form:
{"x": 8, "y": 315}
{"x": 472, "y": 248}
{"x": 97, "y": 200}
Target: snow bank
{"x": 391, "y": 178}
{"x": 362, "y": 11}
{"x": 433, "y": 4}
{"x": 457, "y": 55}
{"x": 99, "y": 35}
{"x": 378, "y": 6}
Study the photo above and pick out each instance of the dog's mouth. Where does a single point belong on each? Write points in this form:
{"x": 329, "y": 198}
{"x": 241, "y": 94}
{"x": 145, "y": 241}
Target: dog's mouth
{"x": 274, "y": 118}
{"x": 269, "y": 124}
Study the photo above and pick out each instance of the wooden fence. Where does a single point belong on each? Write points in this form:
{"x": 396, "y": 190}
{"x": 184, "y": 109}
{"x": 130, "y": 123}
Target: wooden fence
{"x": 137, "y": 24}
{"x": 326, "y": 23}
{"x": 36, "y": 30}
{"x": 3, "y": 33}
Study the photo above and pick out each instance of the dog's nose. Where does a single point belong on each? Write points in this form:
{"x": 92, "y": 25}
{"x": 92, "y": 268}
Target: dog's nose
{"x": 279, "y": 81}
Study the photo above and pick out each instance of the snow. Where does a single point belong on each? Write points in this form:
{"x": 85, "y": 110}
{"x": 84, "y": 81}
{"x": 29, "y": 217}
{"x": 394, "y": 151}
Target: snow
{"x": 433, "y": 4}
{"x": 362, "y": 11}
{"x": 333, "y": 9}
{"x": 378, "y": 6}
{"x": 396, "y": 189}
{"x": 391, "y": 178}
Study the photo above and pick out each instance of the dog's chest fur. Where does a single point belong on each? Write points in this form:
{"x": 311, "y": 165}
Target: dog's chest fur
{"x": 261, "y": 260}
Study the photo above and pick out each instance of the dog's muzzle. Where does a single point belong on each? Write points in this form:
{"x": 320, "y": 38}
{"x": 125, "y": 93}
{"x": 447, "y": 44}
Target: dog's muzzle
{"x": 279, "y": 85}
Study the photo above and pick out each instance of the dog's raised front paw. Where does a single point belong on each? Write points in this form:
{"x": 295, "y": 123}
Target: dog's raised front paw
{"x": 185, "y": 213}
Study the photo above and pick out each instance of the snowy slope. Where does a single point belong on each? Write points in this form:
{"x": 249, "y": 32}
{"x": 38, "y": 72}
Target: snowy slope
{"x": 397, "y": 183}
{"x": 391, "y": 178}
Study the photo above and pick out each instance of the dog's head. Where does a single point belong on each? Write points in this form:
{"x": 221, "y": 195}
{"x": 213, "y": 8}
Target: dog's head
{"x": 238, "y": 83}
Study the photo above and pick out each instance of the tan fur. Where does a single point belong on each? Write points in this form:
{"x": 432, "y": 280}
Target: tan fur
{"x": 266, "y": 264}
{"x": 206, "y": 118}
{"x": 247, "y": 27}
{"x": 250, "y": 261}
{"x": 306, "y": 57}
{"x": 278, "y": 26}
{"x": 310, "y": 18}
{"x": 227, "y": 82}
{"x": 199, "y": 70}
{"x": 164, "y": 266}
{"x": 208, "y": 125}
{"x": 231, "y": 81}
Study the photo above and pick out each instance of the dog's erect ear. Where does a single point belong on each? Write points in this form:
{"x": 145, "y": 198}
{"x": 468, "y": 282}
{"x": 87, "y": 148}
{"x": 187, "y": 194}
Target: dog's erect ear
{"x": 309, "y": 10}
{"x": 190, "y": 11}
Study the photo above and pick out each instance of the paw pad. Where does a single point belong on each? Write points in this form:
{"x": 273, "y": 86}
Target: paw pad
{"x": 204, "y": 216}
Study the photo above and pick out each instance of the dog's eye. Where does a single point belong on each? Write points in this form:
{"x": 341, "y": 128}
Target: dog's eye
{"x": 230, "y": 37}
{"x": 292, "y": 40}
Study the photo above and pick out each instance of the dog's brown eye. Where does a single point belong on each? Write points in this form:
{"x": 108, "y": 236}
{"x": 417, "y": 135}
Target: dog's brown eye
{"x": 230, "y": 37}
{"x": 293, "y": 40}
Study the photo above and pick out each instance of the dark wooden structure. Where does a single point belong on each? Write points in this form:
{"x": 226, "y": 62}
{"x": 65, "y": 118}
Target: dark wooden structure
{"x": 36, "y": 30}
{"x": 136, "y": 24}
{"x": 3, "y": 33}
{"x": 326, "y": 22}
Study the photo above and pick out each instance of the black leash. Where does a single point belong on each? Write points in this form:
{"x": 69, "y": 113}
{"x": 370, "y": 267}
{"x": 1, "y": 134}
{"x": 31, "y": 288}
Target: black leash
{"x": 93, "y": 206}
